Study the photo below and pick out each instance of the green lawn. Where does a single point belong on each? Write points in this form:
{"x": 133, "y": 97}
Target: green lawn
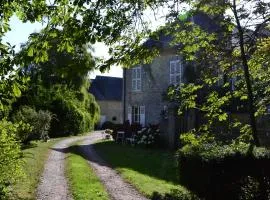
{"x": 35, "y": 156}
{"x": 148, "y": 170}
{"x": 83, "y": 182}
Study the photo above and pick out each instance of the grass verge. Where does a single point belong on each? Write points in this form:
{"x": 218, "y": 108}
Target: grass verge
{"x": 148, "y": 170}
{"x": 83, "y": 182}
{"x": 35, "y": 156}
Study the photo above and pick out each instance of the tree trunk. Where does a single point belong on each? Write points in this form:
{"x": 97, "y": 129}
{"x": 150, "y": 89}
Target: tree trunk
{"x": 247, "y": 78}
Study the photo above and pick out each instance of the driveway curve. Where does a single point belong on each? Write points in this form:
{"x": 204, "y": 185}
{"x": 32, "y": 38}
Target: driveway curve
{"x": 54, "y": 185}
{"x": 117, "y": 188}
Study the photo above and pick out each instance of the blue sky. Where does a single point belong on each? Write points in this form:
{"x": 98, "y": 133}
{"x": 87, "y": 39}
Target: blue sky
{"x": 20, "y": 32}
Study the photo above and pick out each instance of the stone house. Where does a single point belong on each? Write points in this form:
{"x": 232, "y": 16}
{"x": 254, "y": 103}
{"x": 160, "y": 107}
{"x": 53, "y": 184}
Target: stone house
{"x": 108, "y": 94}
{"x": 146, "y": 85}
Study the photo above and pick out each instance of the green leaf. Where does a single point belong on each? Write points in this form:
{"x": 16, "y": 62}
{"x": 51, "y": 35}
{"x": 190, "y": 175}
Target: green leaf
{"x": 16, "y": 90}
{"x": 30, "y": 51}
{"x": 244, "y": 97}
{"x": 222, "y": 117}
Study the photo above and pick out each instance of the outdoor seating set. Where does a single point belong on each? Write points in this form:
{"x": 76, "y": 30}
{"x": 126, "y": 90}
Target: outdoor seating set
{"x": 125, "y": 138}
{"x": 133, "y": 134}
{"x": 124, "y": 134}
{"x": 121, "y": 136}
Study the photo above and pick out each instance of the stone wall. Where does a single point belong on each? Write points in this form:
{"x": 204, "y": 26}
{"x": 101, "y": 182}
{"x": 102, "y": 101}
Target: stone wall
{"x": 155, "y": 81}
{"x": 111, "y": 109}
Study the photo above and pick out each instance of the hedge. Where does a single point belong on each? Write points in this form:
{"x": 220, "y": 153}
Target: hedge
{"x": 226, "y": 171}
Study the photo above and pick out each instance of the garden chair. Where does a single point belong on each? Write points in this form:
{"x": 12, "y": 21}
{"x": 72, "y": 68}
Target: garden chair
{"x": 120, "y": 136}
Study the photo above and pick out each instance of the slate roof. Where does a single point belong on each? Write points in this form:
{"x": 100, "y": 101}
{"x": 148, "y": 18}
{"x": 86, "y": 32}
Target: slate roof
{"x": 201, "y": 19}
{"x": 106, "y": 88}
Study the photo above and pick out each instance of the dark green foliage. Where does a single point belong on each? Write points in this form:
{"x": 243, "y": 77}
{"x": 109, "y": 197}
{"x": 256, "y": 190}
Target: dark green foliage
{"x": 230, "y": 69}
{"x": 10, "y": 154}
{"x": 73, "y": 115}
{"x": 75, "y": 112}
{"x": 225, "y": 171}
{"x": 39, "y": 122}
{"x": 60, "y": 85}
{"x": 175, "y": 195}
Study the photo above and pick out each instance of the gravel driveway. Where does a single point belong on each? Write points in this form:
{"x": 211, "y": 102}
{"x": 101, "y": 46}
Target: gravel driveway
{"x": 53, "y": 184}
{"x": 117, "y": 188}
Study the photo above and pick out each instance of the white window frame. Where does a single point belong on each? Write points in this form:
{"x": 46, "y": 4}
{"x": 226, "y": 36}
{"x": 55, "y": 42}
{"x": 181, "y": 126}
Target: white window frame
{"x": 138, "y": 116}
{"x": 176, "y": 70}
{"x": 136, "y": 83}
{"x": 135, "y": 115}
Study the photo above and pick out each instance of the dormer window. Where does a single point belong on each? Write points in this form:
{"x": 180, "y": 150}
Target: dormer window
{"x": 176, "y": 68}
{"x": 137, "y": 79}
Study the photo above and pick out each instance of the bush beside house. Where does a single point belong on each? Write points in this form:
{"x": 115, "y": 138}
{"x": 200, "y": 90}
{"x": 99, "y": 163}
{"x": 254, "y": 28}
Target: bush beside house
{"x": 225, "y": 171}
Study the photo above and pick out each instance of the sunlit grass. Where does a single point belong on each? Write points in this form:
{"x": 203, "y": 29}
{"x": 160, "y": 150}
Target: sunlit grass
{"x": 35, "y": 156}
{"x": 83, "y": 182}
{"x": 149, "y": 170}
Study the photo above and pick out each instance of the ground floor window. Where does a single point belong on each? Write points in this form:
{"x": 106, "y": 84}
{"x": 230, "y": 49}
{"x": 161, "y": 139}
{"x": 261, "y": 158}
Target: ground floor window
{"x": 136, "y": 114}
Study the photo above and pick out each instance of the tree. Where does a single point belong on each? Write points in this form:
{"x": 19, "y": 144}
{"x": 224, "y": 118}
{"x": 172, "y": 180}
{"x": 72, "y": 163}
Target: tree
{"x": 61, "y": 85}
{"x": 80, "y": 22}
{"x": 227, "y": 57}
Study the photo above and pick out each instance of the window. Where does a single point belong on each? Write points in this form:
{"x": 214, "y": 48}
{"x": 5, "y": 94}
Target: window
{"x": 137, "y": 79}
{"x": 136, "y": 114}
{"x": 176, "y": 69}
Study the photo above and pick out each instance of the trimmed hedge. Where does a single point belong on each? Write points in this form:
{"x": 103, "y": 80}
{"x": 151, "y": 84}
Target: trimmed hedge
{"x": 226, "y": 172}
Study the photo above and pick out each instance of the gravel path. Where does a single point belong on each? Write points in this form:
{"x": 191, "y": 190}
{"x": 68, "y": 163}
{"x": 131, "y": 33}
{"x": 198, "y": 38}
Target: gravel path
{"x": 116, "y": 187}
{"x": 53, "y": 184}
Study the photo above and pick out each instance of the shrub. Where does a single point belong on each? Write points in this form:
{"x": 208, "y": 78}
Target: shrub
{"x": 149, "y": 136}
{"x": 135, "y": 127}
{"x": 72, "y": 117}
{"x": 232, "y": 171}
{"x": 10, "y": 154}
{"x": 175, "y": 195}
{"x": 76, "y": 111}
{"x": 38, "y": 121}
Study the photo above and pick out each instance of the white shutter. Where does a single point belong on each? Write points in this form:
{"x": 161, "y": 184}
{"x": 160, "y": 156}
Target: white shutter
{"x": 142, "y": 115}
{"x": 129, "y": 114}
{"x": 172, "y": 72}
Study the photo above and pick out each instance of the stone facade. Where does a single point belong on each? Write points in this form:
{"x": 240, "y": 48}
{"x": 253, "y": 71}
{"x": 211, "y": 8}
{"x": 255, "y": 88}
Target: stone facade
{"x": 111, "y": 111}
{"x": 155, "y": 80}
{"x": 108, "y": 94}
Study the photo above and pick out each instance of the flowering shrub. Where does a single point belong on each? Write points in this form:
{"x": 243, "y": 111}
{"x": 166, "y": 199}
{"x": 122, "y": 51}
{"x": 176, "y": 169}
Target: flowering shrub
{"x": 109, "y": 131}
{"x": 149, "y": 136}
